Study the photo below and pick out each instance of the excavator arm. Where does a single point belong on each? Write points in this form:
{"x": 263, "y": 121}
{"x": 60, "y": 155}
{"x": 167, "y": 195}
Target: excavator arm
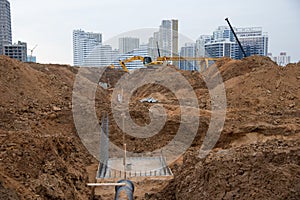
{"x": 178, "y": 58}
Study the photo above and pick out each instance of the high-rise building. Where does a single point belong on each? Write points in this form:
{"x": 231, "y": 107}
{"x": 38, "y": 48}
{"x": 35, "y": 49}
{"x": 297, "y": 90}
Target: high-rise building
{"x": 165, "y": 41}
{"x": 83, "y": 44}
{"x": 222, "y": 43}
{"x": 220, "y": 48}
{"x": 5, "y": 25}
{"x": 153, "y": 42}
{"x": 16, "y": 51}
{"x": 189, "y": 50}
{"x": 200, "y": 44}
{"x": 223, "y": 32}
{"x": 127, "y": 44}
{"x": 168, "y": 37}
{"x": 253, "y": 40}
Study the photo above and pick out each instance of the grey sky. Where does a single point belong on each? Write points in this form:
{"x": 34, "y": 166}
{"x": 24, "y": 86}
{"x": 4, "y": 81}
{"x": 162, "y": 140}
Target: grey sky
{"x": 50, "y": 23}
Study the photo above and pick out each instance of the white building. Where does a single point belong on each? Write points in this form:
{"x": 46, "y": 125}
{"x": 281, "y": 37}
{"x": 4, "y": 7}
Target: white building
{"x": 101, "y": 56}
{"x": 83, "y": 44}
{"x": 200, "y": 44}
{"x": 168, "y": 37}
{"x": 189, "y": 50}
{"x": 16, "y": 51}
{"x": 283, "y": 59}
{"x": 143, "y": 51}
{"x": 253, "y": 40}
{"x": 223, "y": 43}
{"x": 153, "y": 48}
{"x": 128, "y": 44}
{"x": 221, "y": 48}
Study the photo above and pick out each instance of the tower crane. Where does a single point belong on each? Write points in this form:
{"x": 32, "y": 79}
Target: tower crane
{"x": 31, "y": 51}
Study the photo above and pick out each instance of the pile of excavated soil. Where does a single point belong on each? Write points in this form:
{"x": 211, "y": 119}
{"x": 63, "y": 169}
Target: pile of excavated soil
{"x": 256, "y": 157}
{"x": 41, "y": 155}
{"x": 263, "y": 170}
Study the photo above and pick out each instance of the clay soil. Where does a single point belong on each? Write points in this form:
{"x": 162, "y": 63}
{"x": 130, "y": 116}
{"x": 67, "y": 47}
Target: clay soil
{"x": 256, "y": 157}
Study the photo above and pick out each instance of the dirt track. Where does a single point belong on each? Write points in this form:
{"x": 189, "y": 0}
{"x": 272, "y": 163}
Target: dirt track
{"x": 256, "y": 157}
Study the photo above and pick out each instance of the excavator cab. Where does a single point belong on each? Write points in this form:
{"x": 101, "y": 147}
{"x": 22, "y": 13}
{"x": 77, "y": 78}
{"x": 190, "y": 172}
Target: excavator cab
{"x": 147, "y": 60}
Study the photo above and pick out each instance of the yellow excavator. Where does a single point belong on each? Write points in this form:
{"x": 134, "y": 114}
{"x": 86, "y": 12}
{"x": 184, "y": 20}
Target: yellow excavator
{"x": 147, "y": 61}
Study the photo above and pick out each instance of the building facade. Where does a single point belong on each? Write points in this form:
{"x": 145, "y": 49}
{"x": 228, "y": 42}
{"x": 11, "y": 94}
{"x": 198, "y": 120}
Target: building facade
{"x": 168, "y": 37}
{"x": 223, "y": 43}
{"x": 189, "y": 50}
{"x": 165, "y": 40}
{"x": 153, "y": 44}
{"x": 128, "y": 44}
{"x": 100, "y": 56}
{"x": 283, "y": 59}
{"x": 200, "y": 45}
{"x": 83, "y": 45}
{"x": 143, "y": 51}
{"x": 253, "y": 40}
{"x": 16, "y": 51}
{"x": 220, "y": 48}
{"x": 5, "y": 25}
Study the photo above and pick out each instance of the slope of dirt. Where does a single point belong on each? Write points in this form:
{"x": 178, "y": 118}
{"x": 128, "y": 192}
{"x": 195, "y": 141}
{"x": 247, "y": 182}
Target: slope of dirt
{"x": 263, "y": 103}
{"x": 268, "y": 170}
{"x": 41, "y": 154}
{"x": 256, "y": 157}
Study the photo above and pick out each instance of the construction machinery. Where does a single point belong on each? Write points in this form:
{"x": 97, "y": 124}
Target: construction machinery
{"x": 237, "y": 39}
{"x": 201, "y": 60}
{"x": 31, "y": 52}
{"x": 147, "y": 61}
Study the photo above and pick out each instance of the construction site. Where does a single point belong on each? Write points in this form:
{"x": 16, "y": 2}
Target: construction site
{"x": 255, "y": 156}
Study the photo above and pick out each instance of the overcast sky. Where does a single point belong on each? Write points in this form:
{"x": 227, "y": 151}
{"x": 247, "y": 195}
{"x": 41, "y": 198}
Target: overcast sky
{"x": 49, "y": 23}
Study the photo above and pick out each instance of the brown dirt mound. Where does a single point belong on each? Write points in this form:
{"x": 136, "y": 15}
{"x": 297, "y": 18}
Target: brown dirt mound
{"x": 268, "y": 170}
{"x": 41, "y": 154}
{"x": 43, "y": 158}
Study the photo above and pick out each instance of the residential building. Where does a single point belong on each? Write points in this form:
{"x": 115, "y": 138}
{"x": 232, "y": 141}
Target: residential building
{"x": 100, "y": 56}
{"x": 165, "y": 40}
{"x": 83, "y": 45}
{"x": 220, "y": 48}
{"x": 153, "y": 45}
{"x": 17, "y": 51}
{"x": 127, "y": 44}
{"x": 189, "y": 50}
{"x": 143, "y": 51}
{"x": 5, "y": 24}
{"x": 253, "y": 40}
{"x": 200, "y": 45}
{"x": 168, "y": 37}
{"x": 223, "y": 43}
{"x": 223, "y": 32}
{"x": 283, "y": 59}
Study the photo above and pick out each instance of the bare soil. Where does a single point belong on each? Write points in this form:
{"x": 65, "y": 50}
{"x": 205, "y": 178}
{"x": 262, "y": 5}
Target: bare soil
{"x": 256, "y": 157}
